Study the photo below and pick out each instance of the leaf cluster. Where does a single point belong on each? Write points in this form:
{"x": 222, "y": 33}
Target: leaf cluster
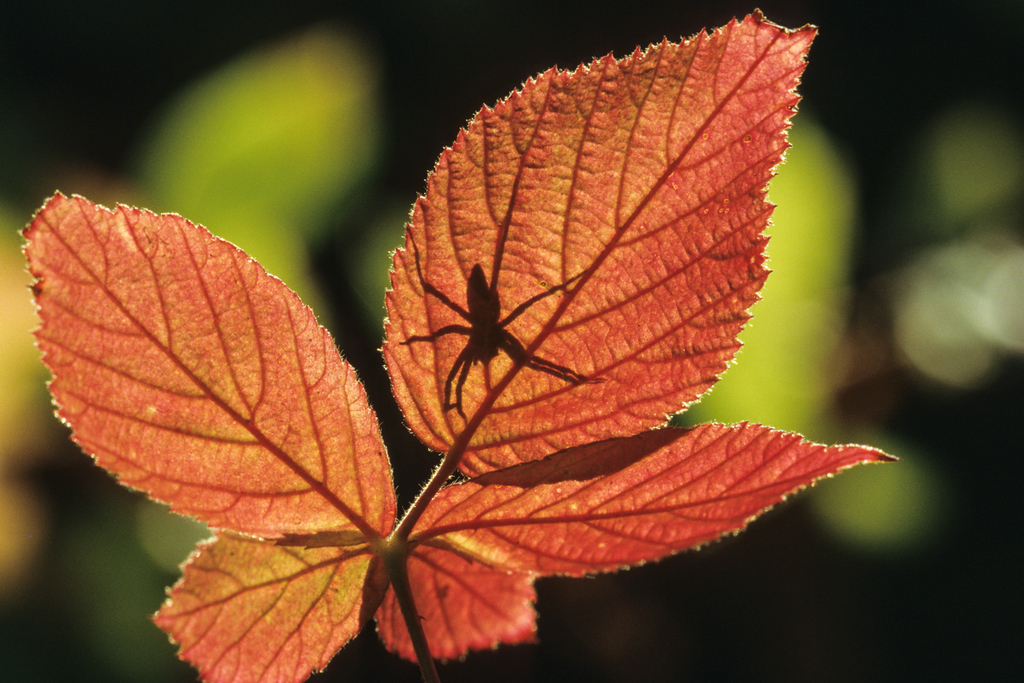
{"x": 578, "y": 269}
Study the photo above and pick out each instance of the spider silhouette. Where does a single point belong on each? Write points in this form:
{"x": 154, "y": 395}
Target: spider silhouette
{"x": 486, "y": 332}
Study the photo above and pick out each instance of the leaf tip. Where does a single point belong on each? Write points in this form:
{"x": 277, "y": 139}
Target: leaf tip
{"x": 758, "y": 17}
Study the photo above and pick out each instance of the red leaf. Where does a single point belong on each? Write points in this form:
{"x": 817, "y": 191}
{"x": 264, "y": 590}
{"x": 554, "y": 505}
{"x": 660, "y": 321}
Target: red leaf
{"x": 193, "y": 375}
{"x": 463, "y": 605}
{"x": 622, "y": 205}
{"x": 625, "y": 501}
{"x": 249, "y": 611}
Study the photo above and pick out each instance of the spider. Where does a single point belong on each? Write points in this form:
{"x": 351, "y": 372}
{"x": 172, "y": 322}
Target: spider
{"x": 487, "y": 333}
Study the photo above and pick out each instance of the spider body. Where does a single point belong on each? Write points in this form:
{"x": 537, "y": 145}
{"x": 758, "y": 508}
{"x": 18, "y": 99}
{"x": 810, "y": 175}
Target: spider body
{"x": 485, "y": 313}
{"x": 487, "y": 333}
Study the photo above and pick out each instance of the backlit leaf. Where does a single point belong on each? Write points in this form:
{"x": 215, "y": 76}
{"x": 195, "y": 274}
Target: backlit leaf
{"x": 633, "y": 193}
{"x": 462, "y": 604}
{"x": 193, "y": 375}
{"x": 249, "y": 611}
{"x": 624, "y": 501}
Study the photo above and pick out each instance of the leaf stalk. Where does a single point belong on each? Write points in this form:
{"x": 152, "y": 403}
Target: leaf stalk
{"x": 440, "y": 477}
{"x": 395, "y": 553}
{"x": 394, "y": 550}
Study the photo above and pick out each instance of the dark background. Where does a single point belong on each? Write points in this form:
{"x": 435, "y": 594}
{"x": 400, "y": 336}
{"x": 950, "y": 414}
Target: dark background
{"x": 79, "y": 83}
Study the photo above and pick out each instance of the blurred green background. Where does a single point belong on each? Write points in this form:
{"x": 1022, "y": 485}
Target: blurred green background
{"x": 303, "y": 131}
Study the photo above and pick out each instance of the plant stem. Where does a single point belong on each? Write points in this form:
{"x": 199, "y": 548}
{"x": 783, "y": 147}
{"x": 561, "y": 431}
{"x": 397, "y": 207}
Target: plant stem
{"x": 394, "y": 550}
{"x": 395, "y": 557}
{"x": 437, "y": 480}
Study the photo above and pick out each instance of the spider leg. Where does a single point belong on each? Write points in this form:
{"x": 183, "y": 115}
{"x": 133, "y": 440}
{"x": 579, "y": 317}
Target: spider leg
{"x": 559, "y": 371}
{"x": 517, "y": 352}
{"x": 463, "y": 362}
{"x": 462, "y": 366}
{"x": 434, "y": 291}
{"x": 447, "y": 329}
{"x": 521, "y": 308}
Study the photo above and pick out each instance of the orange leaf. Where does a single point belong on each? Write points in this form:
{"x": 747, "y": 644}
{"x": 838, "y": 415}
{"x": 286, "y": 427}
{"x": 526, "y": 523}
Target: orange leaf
{"x": 587, "y": 250}
{"x": 193, "y": 375}
{"x": 248, "y": 611}
{"x": 621, "y": 502}
{"x": 463, "y": 605}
